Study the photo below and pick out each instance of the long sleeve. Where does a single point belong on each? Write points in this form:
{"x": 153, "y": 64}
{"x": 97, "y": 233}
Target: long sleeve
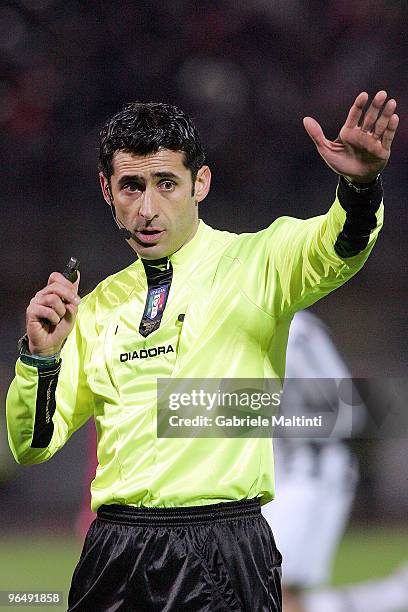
{"x": 45, "y": 407}
{"x": 294, "y": 262}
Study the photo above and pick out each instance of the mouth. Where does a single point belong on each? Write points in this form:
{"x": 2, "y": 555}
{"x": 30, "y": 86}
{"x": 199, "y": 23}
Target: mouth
{"x": 149, "y": 236}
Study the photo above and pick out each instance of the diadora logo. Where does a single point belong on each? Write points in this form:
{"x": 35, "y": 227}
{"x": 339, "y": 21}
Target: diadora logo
{"x": 145, "y": 353}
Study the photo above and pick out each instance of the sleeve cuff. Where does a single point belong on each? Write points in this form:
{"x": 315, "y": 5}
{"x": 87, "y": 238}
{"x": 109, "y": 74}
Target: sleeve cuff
{"x": 361, "y": 204}
{"x": 42, "y": 363}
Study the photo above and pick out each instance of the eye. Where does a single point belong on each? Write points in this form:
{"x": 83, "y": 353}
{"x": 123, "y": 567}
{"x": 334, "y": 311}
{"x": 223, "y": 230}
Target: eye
{"x": 132, "y": 186}
{"x": 167, "y": 185}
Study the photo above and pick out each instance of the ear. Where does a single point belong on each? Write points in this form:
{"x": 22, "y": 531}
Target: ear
{"x": 105, "y": 188}
{"x": 202, "y": 183}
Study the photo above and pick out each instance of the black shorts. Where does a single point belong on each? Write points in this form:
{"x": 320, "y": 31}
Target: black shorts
{"x": 216, "y": 558}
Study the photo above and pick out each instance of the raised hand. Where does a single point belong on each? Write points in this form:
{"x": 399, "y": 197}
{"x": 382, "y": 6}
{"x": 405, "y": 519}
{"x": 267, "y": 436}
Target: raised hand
{"x": 363, "y": 147}
{"x": 51, "y": 315}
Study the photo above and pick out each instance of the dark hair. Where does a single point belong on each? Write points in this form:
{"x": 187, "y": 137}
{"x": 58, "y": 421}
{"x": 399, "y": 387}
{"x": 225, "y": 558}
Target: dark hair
{"x": 144, "y": 128}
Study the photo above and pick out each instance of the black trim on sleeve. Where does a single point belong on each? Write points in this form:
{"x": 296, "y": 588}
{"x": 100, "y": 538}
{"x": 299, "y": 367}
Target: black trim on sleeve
{"x": 360, "y": 220}
{"x": 45, "y": 406}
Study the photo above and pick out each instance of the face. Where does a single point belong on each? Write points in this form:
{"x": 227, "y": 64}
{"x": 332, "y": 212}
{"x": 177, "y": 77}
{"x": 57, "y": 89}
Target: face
{"x": 154, "y": 199}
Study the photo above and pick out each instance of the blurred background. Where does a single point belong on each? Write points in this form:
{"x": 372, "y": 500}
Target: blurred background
{"x": 248, "y": 72}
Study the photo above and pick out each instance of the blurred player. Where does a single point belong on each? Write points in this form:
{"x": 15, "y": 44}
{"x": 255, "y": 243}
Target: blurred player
{"x": 315, "y": 478}
{"x": 315, "y": 483}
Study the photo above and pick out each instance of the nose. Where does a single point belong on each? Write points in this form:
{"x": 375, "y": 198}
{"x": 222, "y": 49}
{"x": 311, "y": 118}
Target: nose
{"x": 148, "y": 209}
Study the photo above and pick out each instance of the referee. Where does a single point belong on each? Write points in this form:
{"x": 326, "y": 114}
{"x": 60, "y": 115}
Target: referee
{"x": 178, "y": 523}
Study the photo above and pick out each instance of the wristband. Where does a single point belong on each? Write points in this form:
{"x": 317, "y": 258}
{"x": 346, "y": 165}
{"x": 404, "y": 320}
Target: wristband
{"x": 35, "y": 360}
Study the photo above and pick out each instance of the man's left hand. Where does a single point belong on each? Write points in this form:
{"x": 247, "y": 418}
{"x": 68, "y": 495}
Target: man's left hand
{"x": 363, "y": 147}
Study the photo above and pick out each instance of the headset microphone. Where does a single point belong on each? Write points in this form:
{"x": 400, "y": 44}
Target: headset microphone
{"x": 124, "y": 232}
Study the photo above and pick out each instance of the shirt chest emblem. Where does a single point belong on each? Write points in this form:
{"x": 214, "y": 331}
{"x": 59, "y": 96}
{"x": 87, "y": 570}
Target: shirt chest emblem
{"x": 156, "y": 302}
